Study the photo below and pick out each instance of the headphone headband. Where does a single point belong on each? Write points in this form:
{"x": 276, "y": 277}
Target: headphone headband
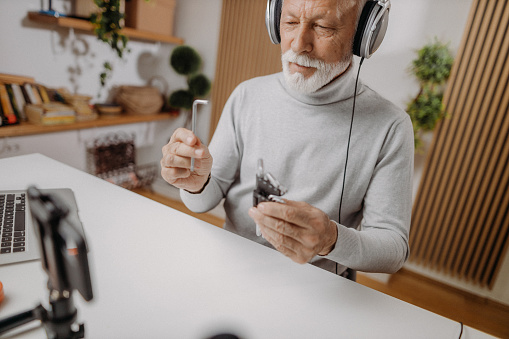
{"x": 371, "y": 28}
{"x": 273, "y": 12}
{"x": 370, "y": 31}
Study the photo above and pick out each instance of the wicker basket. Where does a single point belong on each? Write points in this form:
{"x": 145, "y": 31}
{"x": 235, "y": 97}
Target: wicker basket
{"x": 139, "y": 99}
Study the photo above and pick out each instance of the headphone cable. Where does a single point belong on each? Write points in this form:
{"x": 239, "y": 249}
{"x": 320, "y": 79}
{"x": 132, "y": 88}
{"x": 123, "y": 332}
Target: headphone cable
{"x": 349, "y": 137}
{"x": 348, "y": 146}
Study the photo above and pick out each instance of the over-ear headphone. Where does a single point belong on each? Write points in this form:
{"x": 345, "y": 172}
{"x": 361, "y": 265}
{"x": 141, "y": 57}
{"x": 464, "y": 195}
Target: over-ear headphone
{"x": 370, "y": 29}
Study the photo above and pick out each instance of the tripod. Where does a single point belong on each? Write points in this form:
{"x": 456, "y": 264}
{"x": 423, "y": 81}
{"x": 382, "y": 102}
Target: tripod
{"x": 58, "y": 321}
{"x": 64, "y": 259}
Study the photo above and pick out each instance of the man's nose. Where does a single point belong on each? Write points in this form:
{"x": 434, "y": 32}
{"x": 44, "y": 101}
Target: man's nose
{"x": 303, "y": 40}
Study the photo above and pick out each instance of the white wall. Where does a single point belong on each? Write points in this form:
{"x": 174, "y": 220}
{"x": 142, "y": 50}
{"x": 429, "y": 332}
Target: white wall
{"x": 412, "y": 24}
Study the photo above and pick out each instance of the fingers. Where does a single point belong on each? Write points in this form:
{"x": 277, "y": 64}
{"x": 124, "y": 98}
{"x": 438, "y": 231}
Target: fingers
{"x": 183, "y": 142}
{"x": 182, "y": 146}
{"x": 178, "y": 168}
{"x": 294, "y": 212}
{"x": 185, "y": 136}
{"x": 284, "y": 236}
{"x": 288, "y": 246}
{"x": 296, "y": 229}
{"x": 179, "y": 155}
{"x": 284, "y": 245}
{"x": 176, "y": 161}
{"x": 277, "y": 224}
{"x": 171, "y": 174}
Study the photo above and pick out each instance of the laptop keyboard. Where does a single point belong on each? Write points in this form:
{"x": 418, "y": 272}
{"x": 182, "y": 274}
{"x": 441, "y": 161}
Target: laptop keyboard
{"x": 12, "y": 223}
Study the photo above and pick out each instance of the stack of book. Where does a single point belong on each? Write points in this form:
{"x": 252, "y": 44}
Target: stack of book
{"x": 50, "y": 113}
{"x": 21, "y": 99}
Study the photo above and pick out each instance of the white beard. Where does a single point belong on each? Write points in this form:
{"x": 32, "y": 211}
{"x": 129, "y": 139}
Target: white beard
{"x": 324, "y": 73}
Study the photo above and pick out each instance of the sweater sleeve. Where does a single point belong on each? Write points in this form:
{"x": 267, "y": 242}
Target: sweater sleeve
{"x": 381, "y": 242}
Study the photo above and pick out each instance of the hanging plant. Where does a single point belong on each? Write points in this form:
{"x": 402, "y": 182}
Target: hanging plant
{"x": 432, "y": 68}
{"x": 186, "y": 61}
{"x": 107, "y": 27}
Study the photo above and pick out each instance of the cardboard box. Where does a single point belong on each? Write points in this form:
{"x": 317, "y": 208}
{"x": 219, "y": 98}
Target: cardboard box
{"x": 85, "y": 8}
{"x": 154, "y": 16}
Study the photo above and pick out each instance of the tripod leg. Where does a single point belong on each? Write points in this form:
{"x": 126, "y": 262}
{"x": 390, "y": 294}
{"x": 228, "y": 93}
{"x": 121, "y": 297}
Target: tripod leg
{"x": 60, "y": 321}
{"x": 19, "y": 319}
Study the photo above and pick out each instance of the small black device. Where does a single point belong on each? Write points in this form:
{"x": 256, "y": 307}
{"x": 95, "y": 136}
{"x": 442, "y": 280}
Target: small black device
{"x": 267, "y": 189}
{"x": 64, "y": 259}
{"x": 370, "y": 31}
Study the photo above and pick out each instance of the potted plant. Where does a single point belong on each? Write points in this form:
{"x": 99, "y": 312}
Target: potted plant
{"x": 186, "y": 61}
{"x": 432, "y": 68}
{"x": 107, "y": 26}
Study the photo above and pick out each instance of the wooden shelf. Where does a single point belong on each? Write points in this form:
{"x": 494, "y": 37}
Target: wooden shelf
{"x": 31, "y": 129}
{"x": 87, "y": 26}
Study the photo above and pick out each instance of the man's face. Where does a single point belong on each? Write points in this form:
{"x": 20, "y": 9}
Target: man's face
{"x": 320, "y": 31}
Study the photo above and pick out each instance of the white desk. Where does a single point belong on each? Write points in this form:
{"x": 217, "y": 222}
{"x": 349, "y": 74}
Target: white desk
{"x": 159, "y": 273}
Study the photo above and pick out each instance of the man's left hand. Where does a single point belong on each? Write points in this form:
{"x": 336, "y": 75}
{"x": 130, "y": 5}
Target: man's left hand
{"x": 296, "y": 229}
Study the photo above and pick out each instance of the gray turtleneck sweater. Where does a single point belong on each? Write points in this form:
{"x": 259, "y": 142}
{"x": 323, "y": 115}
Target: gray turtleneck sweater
{"x": 302, "y": 140}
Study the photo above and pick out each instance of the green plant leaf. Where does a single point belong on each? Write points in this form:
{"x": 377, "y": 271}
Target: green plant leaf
{"x": 185, "y": 60}
{"x": 181, "y": 99}
{"x": 433, "y": 63}
{"x": 426, "y": 110}
{"x": 107, "y": 28}
{"x": 199, "y": 85}
{"x": 432, "y": 67}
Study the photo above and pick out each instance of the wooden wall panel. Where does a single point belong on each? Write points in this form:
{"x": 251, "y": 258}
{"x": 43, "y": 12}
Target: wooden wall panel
{"x": 244, "y": 51}
{"x": 460, "y": 222}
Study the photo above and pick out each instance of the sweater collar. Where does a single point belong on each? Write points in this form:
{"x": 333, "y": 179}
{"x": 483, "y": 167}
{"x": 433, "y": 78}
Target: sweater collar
{"x": 340, "y": 89}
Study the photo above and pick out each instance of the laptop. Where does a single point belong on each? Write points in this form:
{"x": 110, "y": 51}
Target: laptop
{"x": 18, "y": 238}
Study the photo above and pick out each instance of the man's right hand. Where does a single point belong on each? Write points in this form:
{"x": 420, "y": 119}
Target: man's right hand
{"x": 176, "y": 161}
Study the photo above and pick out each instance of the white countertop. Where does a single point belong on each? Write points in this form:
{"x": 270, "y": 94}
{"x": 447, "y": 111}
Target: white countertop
{"x": 159, "y": 273}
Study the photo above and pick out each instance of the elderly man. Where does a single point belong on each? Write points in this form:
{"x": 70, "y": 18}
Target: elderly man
{"x": 298, "y": 122}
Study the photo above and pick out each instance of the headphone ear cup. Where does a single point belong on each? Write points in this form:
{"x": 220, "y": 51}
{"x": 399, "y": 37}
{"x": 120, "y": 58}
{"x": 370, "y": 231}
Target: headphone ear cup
{"x": 273, "y": 20}
{"x": 366, "y": 40}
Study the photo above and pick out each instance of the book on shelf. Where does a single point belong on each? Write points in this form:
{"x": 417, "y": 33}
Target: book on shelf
{"x": 20, "y": 94}
{"x": 12, "y": 100}
{"x": 52, "y": 113}
{"x": 19, "y": 101}
{"x": 36, "y": 95}
{"x": 8, "y": 115}
{"x": 43, "y": 93}
{"x": 32, "y": 94}
{"x": 26, "y": 96}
